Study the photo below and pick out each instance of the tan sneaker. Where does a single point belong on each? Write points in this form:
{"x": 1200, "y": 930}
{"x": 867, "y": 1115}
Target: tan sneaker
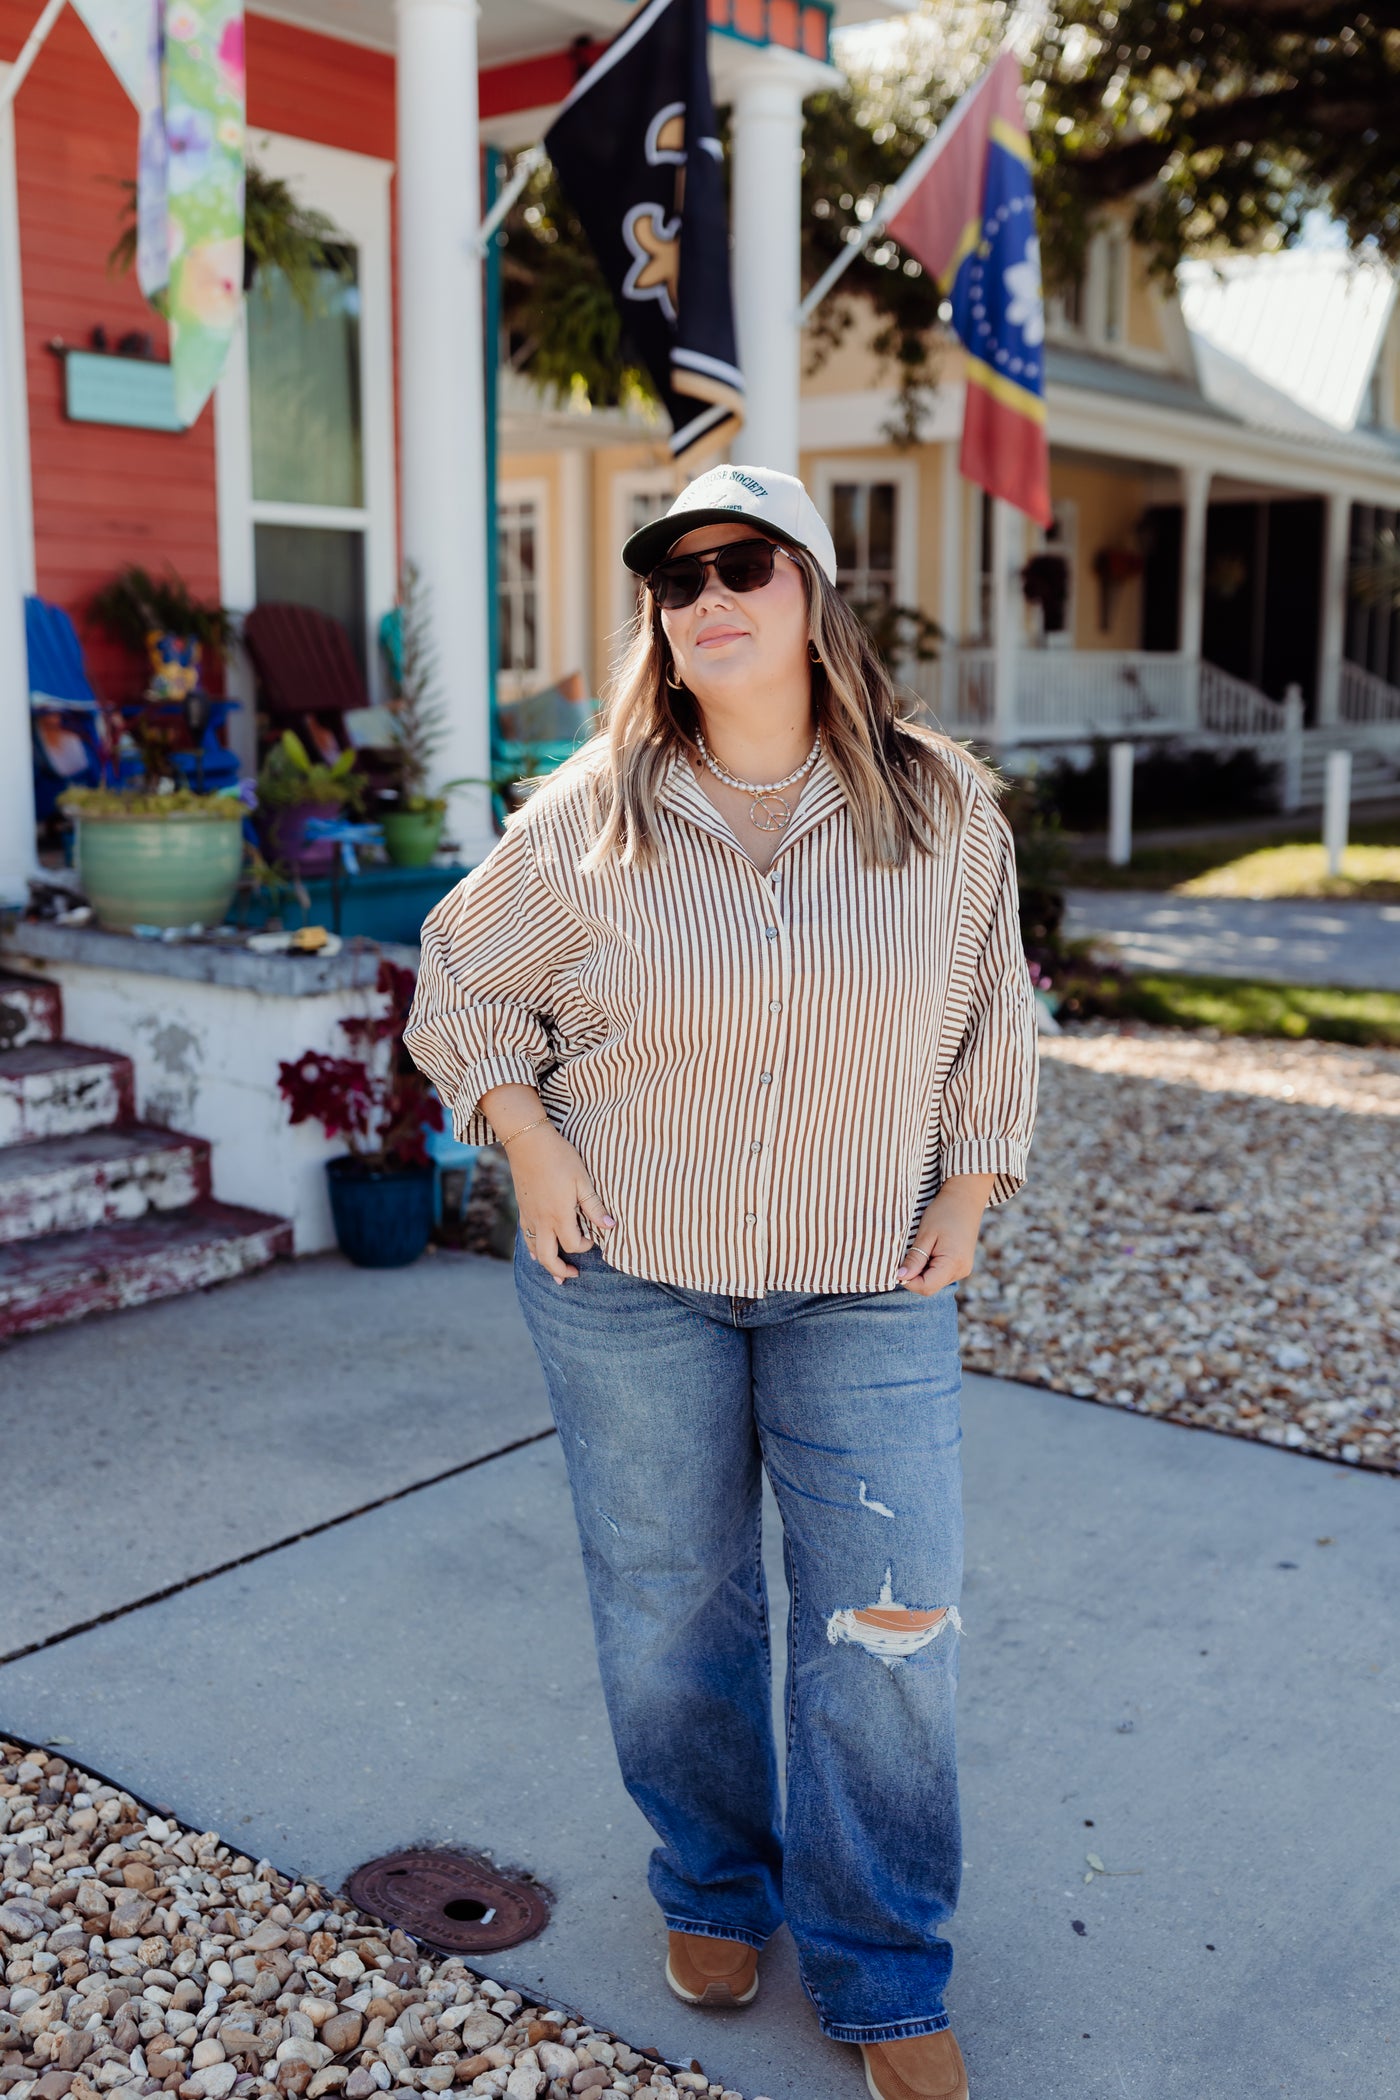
{"x": 925, "y": 2067}
{"x": 703, "y": 1971}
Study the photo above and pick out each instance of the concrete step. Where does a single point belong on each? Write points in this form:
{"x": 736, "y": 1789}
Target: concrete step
{"x": 30, "y": 1012}
{"x": 46, "y": 1282}
{"x": 98, "y": 1177}
{"x": 57, "y": 1089}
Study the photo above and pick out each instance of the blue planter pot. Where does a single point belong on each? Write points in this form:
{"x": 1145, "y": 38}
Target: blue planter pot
{"x": 382, "y": 1220}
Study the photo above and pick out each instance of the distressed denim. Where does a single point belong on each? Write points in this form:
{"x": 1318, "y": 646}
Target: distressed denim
{"x": 668, "y": 1404}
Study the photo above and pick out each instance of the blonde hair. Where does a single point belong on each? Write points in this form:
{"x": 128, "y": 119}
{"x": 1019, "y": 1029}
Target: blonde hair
{"x": 906, "y": 785}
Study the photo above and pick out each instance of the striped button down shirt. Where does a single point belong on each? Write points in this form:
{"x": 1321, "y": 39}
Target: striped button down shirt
{"x": 766, "y": 1076}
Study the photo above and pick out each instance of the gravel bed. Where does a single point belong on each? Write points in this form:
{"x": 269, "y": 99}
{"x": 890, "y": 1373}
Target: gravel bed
{"x": 1210, "y": 1233}
{"x": 140, "y": 1957}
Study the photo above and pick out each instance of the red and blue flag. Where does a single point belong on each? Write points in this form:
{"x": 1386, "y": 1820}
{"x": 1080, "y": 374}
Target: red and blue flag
{"x": 965, "y": 208}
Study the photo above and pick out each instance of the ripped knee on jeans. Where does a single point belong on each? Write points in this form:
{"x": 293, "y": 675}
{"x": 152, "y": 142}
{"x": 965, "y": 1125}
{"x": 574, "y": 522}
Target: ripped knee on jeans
{"x": 889, "y": 1630}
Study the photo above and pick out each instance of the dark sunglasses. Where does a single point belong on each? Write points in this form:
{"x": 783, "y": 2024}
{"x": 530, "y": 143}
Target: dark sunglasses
{"x": 742, "y": 565}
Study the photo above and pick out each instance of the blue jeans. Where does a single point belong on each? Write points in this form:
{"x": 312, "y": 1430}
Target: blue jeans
{"x": 668, "y": 1403}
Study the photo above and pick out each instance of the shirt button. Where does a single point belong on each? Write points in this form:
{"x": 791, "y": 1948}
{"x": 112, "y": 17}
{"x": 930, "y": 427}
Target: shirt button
{"x": 750, "y": 1217}
{"x": 775, "y": 1006}
{"x": 772, "y": 932}
{"x": 757, "y": 1145}
{"x": 765, "y": 1078}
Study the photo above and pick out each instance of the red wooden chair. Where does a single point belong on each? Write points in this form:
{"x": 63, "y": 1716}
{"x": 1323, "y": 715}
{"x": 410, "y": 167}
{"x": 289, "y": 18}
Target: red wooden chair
{"x": 310, "y": 681}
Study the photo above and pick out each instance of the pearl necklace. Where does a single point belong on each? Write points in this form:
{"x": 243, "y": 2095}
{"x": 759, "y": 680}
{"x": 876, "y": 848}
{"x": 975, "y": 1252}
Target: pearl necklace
{"x": 768, "y": 812}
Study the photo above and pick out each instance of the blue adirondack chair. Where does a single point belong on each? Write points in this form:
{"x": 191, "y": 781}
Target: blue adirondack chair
{"x": 65, "y": 718}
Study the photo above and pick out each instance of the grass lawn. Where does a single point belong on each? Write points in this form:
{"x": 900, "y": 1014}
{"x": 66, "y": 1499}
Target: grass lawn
{"x": 1235, "y": 1007}
{"x": 1290, "y": 867}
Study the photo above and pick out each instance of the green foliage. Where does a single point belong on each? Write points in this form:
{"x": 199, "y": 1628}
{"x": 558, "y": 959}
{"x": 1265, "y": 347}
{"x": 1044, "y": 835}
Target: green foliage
{"x": 278, "y": 234}
{"x": 1223, "y": 122}
{"x": 1233, "y": 1006}
{"x": 1171, "y": 785}
{"x": 135, "y": 602}
{"x": 1375, "y": 579}
{"x": 901, "y": 633}
{"x": 290, "y": 779}
{"x": 562, "y": 324}
{"x": 146, "y": 801}
{"x": 420, "y": 719}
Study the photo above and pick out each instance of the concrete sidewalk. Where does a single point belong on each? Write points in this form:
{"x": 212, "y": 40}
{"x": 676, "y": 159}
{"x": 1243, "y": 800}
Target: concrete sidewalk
{"x": 1180, "y": 1655}
{"x": 1357, "y": 945}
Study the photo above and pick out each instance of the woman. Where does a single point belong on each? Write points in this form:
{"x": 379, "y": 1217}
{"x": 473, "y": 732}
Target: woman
{"x": 741, "y": 992}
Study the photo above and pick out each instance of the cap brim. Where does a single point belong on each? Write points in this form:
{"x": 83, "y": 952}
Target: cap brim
{"x": 652, "y": 543}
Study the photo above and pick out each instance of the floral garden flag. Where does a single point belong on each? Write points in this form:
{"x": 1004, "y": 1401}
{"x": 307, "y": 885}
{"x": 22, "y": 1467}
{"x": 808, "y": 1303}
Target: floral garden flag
{"x": 204, "y": 175}
{"x": 181, "y": 62}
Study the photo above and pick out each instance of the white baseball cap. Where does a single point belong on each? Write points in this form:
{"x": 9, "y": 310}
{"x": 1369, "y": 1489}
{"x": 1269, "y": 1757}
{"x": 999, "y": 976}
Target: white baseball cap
{"x": 777, "y": 502}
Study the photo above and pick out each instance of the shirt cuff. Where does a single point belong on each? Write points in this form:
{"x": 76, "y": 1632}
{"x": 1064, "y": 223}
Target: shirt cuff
{"x": 510, "y": 1068}
{"x": 1004, "y": 1157}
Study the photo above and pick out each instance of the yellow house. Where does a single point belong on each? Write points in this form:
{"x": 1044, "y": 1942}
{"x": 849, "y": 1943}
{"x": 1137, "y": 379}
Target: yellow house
{"x": 1219, "y": 448}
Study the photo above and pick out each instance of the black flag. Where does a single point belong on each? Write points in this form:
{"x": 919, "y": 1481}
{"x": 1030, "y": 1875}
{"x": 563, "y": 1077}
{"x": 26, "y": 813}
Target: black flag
{"x": 636, "y": 152}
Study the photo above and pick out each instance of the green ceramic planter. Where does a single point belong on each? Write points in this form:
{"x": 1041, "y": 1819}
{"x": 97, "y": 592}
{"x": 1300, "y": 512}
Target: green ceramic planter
{"x": 411, "y": 836}
{"x": 159, "y": 871}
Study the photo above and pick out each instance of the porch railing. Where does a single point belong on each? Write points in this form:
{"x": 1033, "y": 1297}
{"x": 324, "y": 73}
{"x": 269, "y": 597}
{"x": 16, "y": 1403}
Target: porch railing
{"x": 1363, "y": 697}
{"x": 1068, "y": 693}
{"x": 1230, "y": 706}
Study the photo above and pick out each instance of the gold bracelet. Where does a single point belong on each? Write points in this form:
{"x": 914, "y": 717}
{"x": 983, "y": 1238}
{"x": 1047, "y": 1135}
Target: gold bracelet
{"x": 538, "y": 1124}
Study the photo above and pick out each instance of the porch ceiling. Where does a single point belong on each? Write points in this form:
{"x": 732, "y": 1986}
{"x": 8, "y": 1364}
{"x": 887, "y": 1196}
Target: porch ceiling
{"x": 511, "y": 29}
{"x": 506, "y": 29}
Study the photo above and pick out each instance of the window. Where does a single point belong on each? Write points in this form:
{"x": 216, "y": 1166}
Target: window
{"x": 864, "y": 519}
{"x": 518, "y": 586}
{"x": 637, "y": 497}
{"x": 304, "y": 423}
{"x": 307, "y": 440}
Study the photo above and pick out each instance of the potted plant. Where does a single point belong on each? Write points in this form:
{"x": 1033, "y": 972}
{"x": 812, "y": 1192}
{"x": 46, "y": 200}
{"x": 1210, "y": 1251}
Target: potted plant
{"x": 154, "y": 854}
{"x": 411, "y": 817}
{"x": 292, "y": 789}
{"x": 160, "y": 618}
{"x": 381, "y": 1190}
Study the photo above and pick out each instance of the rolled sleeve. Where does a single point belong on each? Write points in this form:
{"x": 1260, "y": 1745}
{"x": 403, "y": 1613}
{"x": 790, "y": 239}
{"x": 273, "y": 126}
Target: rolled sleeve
{"x": 492, "y": 953}
{"x": 989, "y": 1098}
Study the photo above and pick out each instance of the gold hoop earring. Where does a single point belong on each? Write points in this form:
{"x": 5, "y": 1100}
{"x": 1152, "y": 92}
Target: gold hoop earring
{"x": 813, "y": 653}
{"x": 676, "y": 684}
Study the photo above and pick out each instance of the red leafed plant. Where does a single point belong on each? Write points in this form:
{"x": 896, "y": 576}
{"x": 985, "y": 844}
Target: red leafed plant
{"x": 379, "y": 1102}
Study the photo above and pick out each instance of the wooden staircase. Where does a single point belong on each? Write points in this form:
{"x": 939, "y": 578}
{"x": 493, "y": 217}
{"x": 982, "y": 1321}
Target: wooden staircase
{"x": 98, "y": 1210}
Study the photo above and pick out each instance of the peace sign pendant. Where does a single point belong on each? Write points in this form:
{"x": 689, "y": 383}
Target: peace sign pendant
{"x": 769, "y": 812}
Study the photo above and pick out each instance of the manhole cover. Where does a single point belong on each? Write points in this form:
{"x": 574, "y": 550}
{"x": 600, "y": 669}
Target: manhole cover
{"x": 450, "y": 1900}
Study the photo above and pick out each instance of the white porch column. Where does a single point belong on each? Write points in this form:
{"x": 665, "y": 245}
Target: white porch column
{"x": 952, "y": 523}
{"x": 441, "y": 380}
{"x": 18, "y": 859}
{"x": 1195, "y": 508}
{"x": 1008, "y": 625}
{"x": 1336, "y": 553}
{"x": 767, "y": 222}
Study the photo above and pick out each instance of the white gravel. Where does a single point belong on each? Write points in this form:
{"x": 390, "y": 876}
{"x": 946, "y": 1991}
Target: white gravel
{"x": 1209, "y": 1233}
{"x": 139, "y": 1957}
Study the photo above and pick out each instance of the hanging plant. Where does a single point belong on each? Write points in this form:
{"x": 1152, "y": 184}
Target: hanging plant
{"x": 278, "y": 234}
{"x": 135, "y": 605}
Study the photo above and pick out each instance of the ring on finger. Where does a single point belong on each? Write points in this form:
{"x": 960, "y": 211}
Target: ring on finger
{"x": 529, "y": 1232}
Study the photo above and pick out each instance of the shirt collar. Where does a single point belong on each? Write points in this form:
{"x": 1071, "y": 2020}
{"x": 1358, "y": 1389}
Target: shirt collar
{"x": 822, "y": 797}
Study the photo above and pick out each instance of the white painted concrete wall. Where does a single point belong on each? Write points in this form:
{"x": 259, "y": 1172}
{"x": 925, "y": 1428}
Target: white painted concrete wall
{"x": 206, "y": 1059}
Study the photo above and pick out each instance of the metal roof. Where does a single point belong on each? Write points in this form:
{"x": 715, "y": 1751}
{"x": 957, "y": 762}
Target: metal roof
{"x": 1308, "y": 322}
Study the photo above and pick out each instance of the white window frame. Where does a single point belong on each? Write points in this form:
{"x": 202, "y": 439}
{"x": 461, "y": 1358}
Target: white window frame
{"x": 353, "y": 190}
{"x": 663, "y": 483}
{"x": 534, "y": 490}
{"x": 904, "y": 473}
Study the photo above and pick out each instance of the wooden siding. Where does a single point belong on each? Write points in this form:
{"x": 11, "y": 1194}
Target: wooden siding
{"x": 103, "y": 495}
